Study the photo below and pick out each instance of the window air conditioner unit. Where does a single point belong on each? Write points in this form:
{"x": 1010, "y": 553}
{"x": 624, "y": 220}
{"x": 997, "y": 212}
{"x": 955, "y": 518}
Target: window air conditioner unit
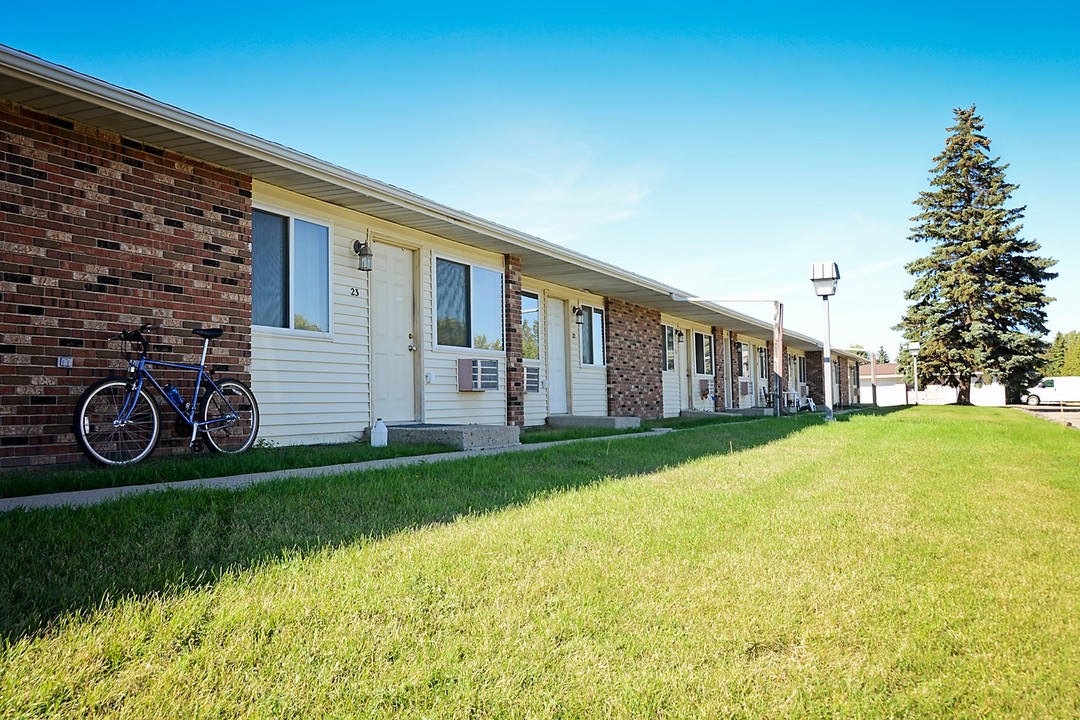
{"x": 477, "y": 375}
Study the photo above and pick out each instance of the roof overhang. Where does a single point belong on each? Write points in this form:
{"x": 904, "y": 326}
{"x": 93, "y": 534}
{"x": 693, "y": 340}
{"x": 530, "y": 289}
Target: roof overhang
{"x": 56, "y": 90}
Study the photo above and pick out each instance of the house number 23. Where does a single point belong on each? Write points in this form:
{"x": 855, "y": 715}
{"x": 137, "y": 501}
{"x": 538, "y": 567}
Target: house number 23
{"x": 355, "y": 292}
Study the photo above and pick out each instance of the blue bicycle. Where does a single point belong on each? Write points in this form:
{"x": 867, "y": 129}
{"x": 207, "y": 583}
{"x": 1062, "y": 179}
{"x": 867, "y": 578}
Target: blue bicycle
{"x": 117, "y": 422}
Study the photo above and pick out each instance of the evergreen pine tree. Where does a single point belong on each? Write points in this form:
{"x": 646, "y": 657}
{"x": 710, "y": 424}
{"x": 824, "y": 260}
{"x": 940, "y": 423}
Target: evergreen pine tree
{"x": 978, "y": 302}
{"x": 1054, "y": 359}
{"x": 882, "y": 355}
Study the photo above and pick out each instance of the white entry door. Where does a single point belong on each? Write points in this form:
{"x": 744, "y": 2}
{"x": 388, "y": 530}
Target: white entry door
{"x": 556, "y": 356}
{"x": 393, "y": 334}
{"x": 747, "y": 371}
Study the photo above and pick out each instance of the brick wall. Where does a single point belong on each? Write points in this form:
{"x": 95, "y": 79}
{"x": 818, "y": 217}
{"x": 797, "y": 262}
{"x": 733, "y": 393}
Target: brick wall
{"x": 633, "y": 353}
{"x": 815, "y": 385}
{"x": 99, "y": 233}
{"x": 515, "y": 363}
{"x": 845, "y": 369}
{"x": 720, "y": 364}
{"x": 736, "y": 368}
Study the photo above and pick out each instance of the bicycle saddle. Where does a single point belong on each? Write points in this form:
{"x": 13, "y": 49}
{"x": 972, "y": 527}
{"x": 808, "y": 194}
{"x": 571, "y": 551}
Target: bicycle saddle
{"x": 208, "y": 333}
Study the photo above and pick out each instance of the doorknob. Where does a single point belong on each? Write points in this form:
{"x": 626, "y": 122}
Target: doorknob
{"x": 412, "y": 348}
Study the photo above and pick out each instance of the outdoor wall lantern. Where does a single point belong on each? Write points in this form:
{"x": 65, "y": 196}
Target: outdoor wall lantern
{"x": 579, "y": 316}
{"x": 363, "y": 253}
{"x": 679, "y": 334}
{"x": 824, "y": 277}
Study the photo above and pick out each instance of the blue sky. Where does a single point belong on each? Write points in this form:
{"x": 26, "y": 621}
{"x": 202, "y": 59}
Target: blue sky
{"x": 720, "y": 149}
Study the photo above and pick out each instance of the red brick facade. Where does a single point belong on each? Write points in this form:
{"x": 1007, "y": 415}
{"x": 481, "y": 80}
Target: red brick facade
{"x": 515, "y": 362}
{"x": 634, "y": 347}
{"x": 99, "y": 233}
{"x": 720, "y": 364}
{"x": 815, "y": 382}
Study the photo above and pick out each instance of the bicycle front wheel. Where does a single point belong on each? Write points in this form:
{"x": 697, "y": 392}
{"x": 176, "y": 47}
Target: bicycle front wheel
{"x": 233, "y": 415}
{"x": 103, "y": 436}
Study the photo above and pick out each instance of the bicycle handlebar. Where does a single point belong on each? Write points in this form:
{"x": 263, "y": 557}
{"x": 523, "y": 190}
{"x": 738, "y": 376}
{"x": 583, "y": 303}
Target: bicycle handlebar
{"x": 137, "y": 336}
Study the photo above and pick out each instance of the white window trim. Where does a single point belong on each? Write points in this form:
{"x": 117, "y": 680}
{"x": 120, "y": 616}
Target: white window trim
{"x": 292, "y": 216}
{"x": 710, "y": 371}
{"x": 674, "y": 359}
{"x": 603, "y": 340}
{"x": 458, "y": 349}
{"x": 541, "y": 330}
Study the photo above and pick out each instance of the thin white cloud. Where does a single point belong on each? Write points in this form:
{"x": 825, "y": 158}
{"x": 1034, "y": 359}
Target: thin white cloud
{"x": 559, "y": 190}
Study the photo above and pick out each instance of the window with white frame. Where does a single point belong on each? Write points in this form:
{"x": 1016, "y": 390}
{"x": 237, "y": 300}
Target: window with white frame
{"x": 703, "y": 354}
{"x": 668, "y": 359}
{"x": 802, "y": 368}
{"x": 469, "y": 306}
{"x": 763, "y": 362}
{"x": 290, "y": 272}
{"x": 592, "y": 335}
{"x": 530, "y": 326}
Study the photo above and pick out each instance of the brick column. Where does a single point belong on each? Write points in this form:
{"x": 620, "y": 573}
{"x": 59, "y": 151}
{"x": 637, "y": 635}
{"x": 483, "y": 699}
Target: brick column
{"x": 845, "y": 367}
{"x": 720, "y": 365}
{"x": 815, "y": 386}
{"x": 736, "y": 368}
{"x": 634, "y": 346}
{"x": 515, "y": 363}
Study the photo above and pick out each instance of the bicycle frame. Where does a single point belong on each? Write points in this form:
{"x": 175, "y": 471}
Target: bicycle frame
{"x": 140, "y": 369}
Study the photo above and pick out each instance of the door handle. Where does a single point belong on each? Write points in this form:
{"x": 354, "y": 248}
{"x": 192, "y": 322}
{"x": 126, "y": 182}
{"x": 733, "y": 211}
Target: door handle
{"x": 412, "y": 348}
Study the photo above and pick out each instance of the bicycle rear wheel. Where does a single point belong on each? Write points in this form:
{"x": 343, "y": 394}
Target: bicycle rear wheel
{"x": 106, "y": 440}
{"x": 234, "y": 415}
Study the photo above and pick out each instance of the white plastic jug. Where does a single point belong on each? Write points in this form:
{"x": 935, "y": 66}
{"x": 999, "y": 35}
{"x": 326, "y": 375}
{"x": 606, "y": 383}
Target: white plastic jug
{"x": 378, "y": 433}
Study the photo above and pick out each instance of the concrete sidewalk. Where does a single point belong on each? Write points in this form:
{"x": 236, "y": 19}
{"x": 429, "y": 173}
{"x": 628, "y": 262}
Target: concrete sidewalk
{"x": 234, "y": 482}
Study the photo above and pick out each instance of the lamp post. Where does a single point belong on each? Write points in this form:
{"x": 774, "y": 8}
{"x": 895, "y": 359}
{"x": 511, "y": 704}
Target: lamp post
{"x": 913, "y": 348}
{"x": 824, "y": 277}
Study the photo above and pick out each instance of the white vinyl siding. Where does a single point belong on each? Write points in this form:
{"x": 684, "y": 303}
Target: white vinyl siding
{"x": 312, "y": 387}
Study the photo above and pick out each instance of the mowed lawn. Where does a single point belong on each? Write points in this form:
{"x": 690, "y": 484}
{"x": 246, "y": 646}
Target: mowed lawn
{"x": 918, "y": 563}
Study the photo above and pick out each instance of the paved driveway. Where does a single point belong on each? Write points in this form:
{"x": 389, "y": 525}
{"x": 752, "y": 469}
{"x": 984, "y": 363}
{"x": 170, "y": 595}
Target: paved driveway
{"x": 1068, "y": 415}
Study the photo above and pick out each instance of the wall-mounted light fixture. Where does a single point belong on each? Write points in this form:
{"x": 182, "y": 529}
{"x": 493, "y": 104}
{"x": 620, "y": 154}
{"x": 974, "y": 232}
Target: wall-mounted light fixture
{"x": 363, "y": 253}
{"x": 579, "y": 315}
{"x": 681, "y": 335}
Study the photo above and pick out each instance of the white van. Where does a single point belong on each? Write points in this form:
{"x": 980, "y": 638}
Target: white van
{"x": 1054, "y": 390}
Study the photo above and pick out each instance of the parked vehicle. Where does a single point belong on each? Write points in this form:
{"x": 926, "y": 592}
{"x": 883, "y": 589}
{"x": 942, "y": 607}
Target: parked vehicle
{"x": 1054, "y": 390}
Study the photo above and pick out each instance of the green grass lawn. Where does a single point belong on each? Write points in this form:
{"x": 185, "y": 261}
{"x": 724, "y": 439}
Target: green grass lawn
{"x": 920, "y": 563}
{"x": 264, "y": 458}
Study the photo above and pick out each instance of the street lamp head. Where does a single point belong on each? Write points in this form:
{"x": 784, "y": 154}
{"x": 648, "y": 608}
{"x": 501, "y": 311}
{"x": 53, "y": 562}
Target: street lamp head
{"x": 824, "y": 277}
{"x": 913, "y": 348}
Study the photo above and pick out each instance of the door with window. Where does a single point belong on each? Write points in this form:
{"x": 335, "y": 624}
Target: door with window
{"x": 746, "y": 375}
{"x": 393, "y": 334}
{"x": 556, "y": 357}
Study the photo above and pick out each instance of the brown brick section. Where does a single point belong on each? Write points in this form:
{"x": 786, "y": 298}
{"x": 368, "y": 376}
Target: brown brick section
{"x": 815, "y": 384}
{"x": 633, "y": 353}
{"x": 845, "y": 369}
{"x": 736, "y": 368}
{"x": 515, "y": 363}
{"x": 99, "y": 233}
{"x": 719, "y": 362}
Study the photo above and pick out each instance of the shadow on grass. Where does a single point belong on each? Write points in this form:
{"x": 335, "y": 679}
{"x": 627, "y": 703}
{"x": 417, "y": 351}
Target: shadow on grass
{"x": 69, "y": 560}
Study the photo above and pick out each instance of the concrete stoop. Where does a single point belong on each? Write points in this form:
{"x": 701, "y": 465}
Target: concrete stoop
{"x": 576, "y": 421}
{"x": 462, "y": 437}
